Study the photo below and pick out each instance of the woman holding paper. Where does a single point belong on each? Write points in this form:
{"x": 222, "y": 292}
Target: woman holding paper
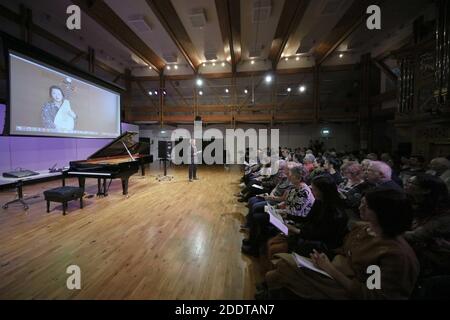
{"x": 374, "y": 249}
{"x": 299, "y": 201}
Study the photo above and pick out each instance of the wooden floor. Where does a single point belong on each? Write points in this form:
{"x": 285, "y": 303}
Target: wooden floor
{"x": 168, "y": 240}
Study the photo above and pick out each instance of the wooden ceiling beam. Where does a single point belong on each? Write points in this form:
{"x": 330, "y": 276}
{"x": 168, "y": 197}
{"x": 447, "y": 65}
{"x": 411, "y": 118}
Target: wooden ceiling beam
{"x": 290, "y": 19}
{"x": 228, "y": 12}
{"x": 167, "y": 15}
{"x": 101, "y": 13}
{"x": 243, "y": 74}
{"x": 350, "y": 21}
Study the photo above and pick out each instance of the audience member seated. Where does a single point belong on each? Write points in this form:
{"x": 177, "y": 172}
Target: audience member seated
{"x": 430, "y": 235}
{"x": 278, "y": 194}
{"x": 331, "y": 167}
{"x": 440, "y": 167}
{"x": 353, "y": 188}
{"x": 416, "y": 166}
{"x": 379, "y": 174}
{"x": 299, "y": 201}
{"x": 377, "y": 241}
{"x": 308, "y": 162}
{"x": 323, "y": 229}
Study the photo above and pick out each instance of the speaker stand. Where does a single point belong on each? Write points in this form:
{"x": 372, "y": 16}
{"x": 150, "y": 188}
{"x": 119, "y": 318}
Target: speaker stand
{"x": 164, "y": 177}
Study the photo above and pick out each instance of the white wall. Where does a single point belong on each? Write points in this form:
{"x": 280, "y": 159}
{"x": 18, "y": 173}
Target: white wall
{"x": 343, "y": 137}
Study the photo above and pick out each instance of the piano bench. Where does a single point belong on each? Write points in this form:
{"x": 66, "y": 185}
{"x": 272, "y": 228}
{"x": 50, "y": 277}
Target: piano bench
{"x": 64, "y": 195}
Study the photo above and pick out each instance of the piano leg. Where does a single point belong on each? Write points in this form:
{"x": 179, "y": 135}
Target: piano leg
{"x": 81, "y": 182}
{"x": 125, "y": 186}
{"x": 143, "y": 169}
{"x": 99, "y": 187}
{"x": 105, "y": 192}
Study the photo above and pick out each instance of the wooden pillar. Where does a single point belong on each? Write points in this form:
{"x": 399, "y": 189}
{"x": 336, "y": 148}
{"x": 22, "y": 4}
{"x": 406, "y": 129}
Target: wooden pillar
{"x": 126, "y": 104}
{"x": 91, "y": 60}
{"x": 316, "y": 93}
{"x": 365, "y": 109}
{"x": 26, "y": 23}
{"x": 162, "y": 84}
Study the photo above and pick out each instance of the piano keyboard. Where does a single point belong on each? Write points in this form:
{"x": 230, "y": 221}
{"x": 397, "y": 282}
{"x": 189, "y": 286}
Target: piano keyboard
{"x": 89, "y": 173}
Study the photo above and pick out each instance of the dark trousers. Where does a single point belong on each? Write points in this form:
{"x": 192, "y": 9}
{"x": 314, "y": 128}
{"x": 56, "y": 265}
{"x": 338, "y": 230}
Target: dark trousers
{"x": 192, "y": 171}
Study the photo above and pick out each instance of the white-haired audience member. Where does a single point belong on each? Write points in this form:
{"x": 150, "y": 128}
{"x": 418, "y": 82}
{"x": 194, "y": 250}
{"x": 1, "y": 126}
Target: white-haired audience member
{"x": 308, "y": 162}
{"x": 379, "y": 174}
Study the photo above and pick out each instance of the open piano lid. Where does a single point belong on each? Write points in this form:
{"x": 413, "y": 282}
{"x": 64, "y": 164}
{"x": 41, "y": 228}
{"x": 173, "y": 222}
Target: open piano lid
{"x": 116, "y": 147}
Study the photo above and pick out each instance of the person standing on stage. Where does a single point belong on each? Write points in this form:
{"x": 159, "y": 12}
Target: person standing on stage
{"x": 193, "y": 162}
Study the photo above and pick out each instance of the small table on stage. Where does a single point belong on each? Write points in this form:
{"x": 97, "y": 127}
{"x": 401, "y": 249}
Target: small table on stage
{"x": 18, "y": 184}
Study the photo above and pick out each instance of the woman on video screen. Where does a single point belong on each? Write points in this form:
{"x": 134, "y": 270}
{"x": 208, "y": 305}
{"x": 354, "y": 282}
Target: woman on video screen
{"x": 57, "y": 113}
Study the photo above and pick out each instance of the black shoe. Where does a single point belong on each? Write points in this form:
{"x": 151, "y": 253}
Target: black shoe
{"x": 242, "y": 200}
{"x": 250, "y": 251}
{"x": 245, "y": 242}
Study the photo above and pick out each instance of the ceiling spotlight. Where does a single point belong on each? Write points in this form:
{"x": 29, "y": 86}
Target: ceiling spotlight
{"x": 162, "y": 131}
{"x": 168, "y": 67}
{"x": 176, "y": 67}
{"x": 245, "y": 91}
{"x": 164, "y": 92}
{"x": 302, "y": 89}
{"x": 268, "y": 78}
{"x": 204, "y": 65}
{"x": 199, "y": 82}
{"x": 213, "y": 64}
{"x": 252, "y": 62}
{"x": 297, "y": 58}
{"x": 156, "y": 93}
{"x": 200, "y": 92}
{"x": 150, "y": 93}
{"x": 286, "y": 59}
{"x": 223, "y": 64}
{"x": 288, "y": 89}
{"x": 226, "y": 90}
{"x": 150, "y": 67}
{"x": 341, "y": 55}
{"x": 229, "y": 59}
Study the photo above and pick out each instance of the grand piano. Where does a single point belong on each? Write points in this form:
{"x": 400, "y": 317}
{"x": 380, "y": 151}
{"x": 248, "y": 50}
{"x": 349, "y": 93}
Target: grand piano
{"x": 120, "y": 159}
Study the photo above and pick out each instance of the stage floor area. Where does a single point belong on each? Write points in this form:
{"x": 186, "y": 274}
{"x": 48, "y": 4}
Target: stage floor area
{"x": 167, "y": 240}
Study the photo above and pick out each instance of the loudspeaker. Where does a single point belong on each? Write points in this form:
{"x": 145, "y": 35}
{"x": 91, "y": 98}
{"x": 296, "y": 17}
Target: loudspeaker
{"x": 164, "y": 149}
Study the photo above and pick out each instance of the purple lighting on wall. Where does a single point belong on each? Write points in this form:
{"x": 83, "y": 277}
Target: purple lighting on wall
{"x": 41, "y": 153}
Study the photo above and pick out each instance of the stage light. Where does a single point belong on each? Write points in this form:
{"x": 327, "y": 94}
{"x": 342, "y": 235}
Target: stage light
{"x": 156, "y": 93}
{"x": 341, "y": 55}
{"x": 213, "y": 64}
{"x": 286, "y": 59}
{"x": 204, "y": 65}
{"x": 268, "y": 78}
{"x": 297, "y": 58}
{"x": 288, "y": 89}
{"x": 199, "y": 82}
{"x": 226, "y": 90}
{"x": 176, "y": 67}
{"x": 168, "y": 68}
{"x": 252, "y": 62}
{"x": 200, "y": 92}
{"x": 223, "y": 64}
{"x": 150, "y": 93}
{"x": 245, "y": 91}
{"x": 150, "y": 67}
{"x": 302, "y": 88}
